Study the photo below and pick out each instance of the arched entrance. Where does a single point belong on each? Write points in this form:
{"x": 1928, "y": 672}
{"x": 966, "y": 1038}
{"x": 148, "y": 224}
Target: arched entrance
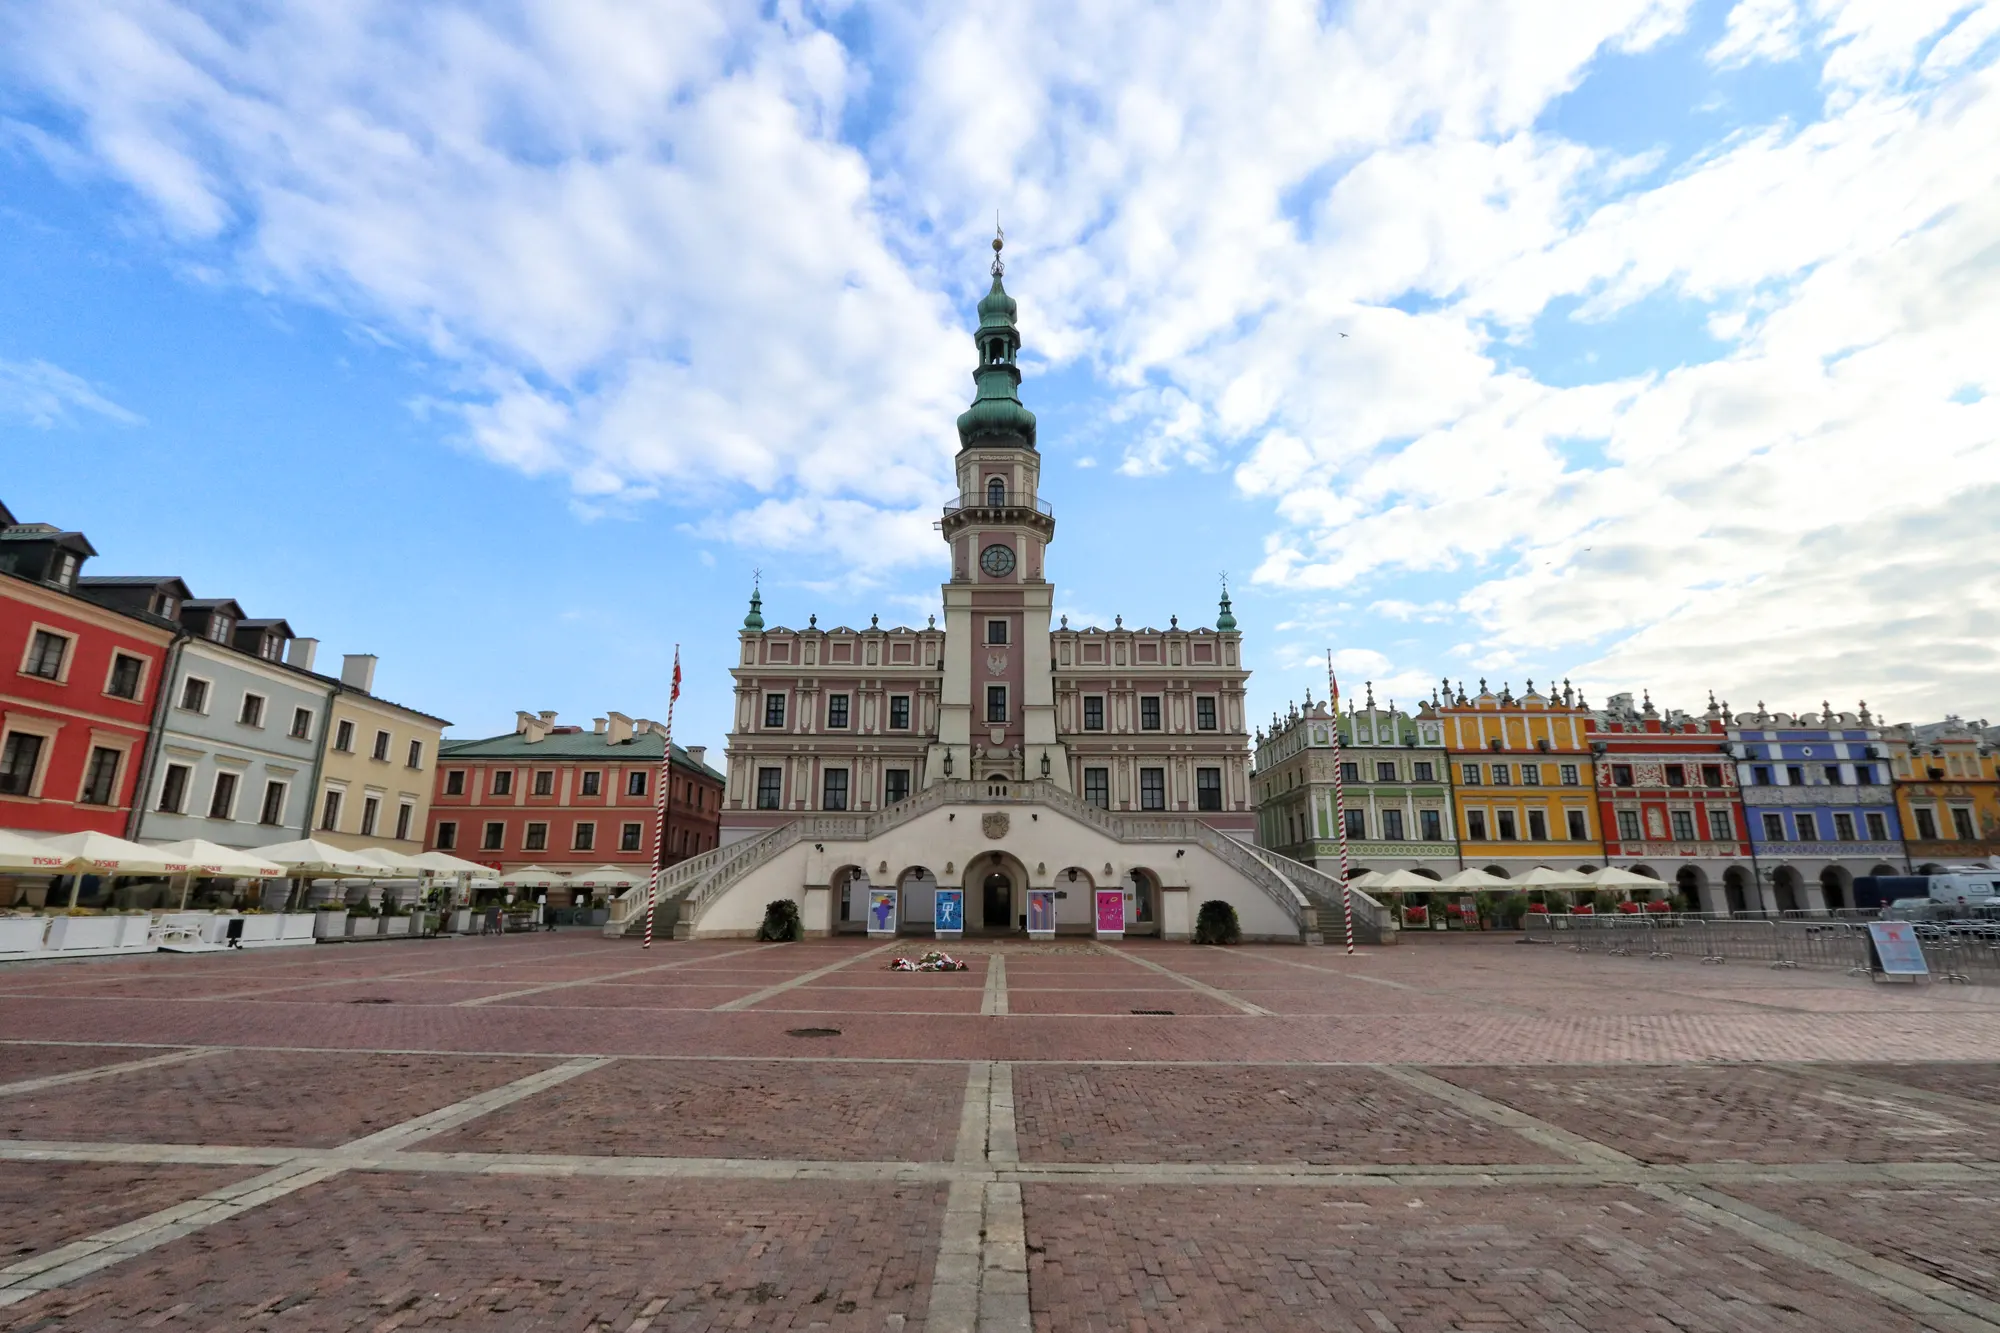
{"x": 1145, "y": 886}
{"x": 1736, "y": 889}
{"x": 1692, "y": 885}
{"x": 1836, "y": 886}
{"x": 996, "y": 894}
{"x": 1789, "y": 886}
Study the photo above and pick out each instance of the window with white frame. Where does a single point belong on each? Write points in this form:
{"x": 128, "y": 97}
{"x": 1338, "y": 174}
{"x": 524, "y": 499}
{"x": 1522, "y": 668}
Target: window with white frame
{"x": 381, "y": 746}
{"x": 501, "y": 782}
{"x": 1720, "y": 827}
{"x": 537, "y": 839}
{"x": 1683, "y": 822}
{"x": 585, "y": 837}
{"x": 405, "y": 813}
{"x": 415, "y": 758}
{"x": 1152, "y": 789}
{"x": 343, "y": 736}
{"x": 48, "y": 654}
{"x": 1538, "y": 826}
{"x": 273, "y": 810}
{"x": 174, "y": 789}
{"x": 371, "y": 810}
{"x": 222, "y": 797}
{"x": 302, "y": 724}
{"x": 899, "y": 712}
{"x": 494, "y": 837}
{"x": 194, "y": 694}
{"x": 1774, "y": 827}
{"x": 895, "y": 785}
{"x": 1808, "y": 826}
{"x": 329, "y": 810}
{"x": 834, "y": 790}
{"x": 1579, "y": 825}
{"x": 1204, "y": 713}
{"x": 127, "y": 672}
{"x": 100, "y": 778}
{"x": 590, "y": 782}
{"x": 251, "y": 714}
{"x": 635, "y": 782}
{"x": 545, "y": 782}
{"x": 1093, "y": 712}
{"x": 1878, "y": 827}
{"x": 996, "y": 703}
{"x": 631, "y": 837}
{"x": 1097, "y": 787}
{"x": 1208, "y": 789}
{"x": 1149, "y": 712}
{"x": 447, "y": 835}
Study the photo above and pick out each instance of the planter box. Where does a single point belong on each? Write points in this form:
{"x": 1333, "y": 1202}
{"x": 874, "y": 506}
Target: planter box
{"x": 84, "y": 932}
{"x": 259, "y": 929}
{"x": 295, "y": 926}
{"x": 23, "y": 934}
{"x": 395, "y": 925}
{"x": 461, "y": 921}
{"x": 361, "y": 926}
{"x": 330, "y": 925}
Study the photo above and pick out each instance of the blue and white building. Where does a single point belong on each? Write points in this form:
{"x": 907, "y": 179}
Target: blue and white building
{"x": 1818, "y": 799}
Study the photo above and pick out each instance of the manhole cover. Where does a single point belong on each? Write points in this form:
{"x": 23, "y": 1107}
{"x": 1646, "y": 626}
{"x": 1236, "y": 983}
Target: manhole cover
{"x": 812, "y": 1032}
{"x": 373, "y": 999}
{"x": 1163, "y": 1012}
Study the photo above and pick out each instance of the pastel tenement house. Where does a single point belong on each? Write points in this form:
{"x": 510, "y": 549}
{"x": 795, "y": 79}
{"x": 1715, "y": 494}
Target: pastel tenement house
{"x": 1395, "y": 789}
{"x": 376, "y": 778}
{"x": 1821, "y": 805}
{"x": 1947, "y": 780}
{"x": 1521, "y": 778}
{"x": 79, "y": 686}
{"x": 564, "y": 798}
{"x": 1668, "y": 802}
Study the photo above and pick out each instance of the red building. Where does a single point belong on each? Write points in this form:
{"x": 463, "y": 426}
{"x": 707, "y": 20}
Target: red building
{"x": 566, "y": 798}
{"x": 1668, "y": 804}
{"x": 78, "y": 685}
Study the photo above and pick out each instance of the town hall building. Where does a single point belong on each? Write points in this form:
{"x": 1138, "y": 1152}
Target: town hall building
{"x": 998, "y": 753}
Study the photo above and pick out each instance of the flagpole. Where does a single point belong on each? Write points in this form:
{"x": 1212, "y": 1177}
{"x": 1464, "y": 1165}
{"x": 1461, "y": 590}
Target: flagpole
{"x": 1340, "y": 803}
{"x": 660, "y": 802}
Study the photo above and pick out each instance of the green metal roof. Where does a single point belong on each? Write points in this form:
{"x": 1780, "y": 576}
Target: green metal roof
{"x": 573, "y": 746}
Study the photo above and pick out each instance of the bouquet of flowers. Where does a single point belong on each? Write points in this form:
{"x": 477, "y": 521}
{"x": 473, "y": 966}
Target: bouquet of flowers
{"x": 934, "y": 961}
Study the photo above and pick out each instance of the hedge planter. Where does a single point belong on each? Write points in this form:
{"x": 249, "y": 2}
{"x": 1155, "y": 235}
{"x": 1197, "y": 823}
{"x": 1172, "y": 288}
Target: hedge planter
{"x": 330, "y": 925}
{"x": 395, "y": 925}
{"x": 83, "y": 932}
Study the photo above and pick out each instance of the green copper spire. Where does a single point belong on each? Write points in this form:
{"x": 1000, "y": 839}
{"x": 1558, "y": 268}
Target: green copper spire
{"x": 755, "y": 620}
{"x": 996, "y": 416}
{"x": 1227, "y": 619}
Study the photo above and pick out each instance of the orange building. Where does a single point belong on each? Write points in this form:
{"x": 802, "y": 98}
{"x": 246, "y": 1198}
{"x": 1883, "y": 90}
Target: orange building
{"x": 1522, "y": 781}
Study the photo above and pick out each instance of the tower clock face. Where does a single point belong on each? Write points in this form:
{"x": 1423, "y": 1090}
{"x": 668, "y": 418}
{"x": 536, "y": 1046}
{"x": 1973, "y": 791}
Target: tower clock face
{"x": 997, "y": 560}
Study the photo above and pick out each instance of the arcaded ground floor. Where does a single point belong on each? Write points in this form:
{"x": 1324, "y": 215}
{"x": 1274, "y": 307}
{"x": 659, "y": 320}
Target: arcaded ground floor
{"x": 565, "y": 1132}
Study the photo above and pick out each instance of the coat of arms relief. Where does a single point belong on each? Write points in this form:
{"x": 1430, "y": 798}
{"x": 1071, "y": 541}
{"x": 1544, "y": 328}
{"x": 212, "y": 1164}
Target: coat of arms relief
{"x": 994, "y": 826}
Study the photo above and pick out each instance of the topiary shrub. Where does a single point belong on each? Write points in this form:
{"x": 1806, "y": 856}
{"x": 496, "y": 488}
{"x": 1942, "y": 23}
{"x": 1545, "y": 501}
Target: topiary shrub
{"x": 1216, "y": 924}
{"x": 781, "y": 922}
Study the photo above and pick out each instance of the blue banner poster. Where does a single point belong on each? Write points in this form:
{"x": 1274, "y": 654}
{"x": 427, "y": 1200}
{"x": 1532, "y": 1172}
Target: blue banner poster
{"x": 1041, "y": 911}
{"x": 881, "y": 911}
{"x": 950, "y": 911}
{"x": 1897, "y": 951}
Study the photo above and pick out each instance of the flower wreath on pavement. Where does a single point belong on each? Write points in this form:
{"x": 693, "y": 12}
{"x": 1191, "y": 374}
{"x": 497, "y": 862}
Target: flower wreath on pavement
{"x": 934, "y": 961}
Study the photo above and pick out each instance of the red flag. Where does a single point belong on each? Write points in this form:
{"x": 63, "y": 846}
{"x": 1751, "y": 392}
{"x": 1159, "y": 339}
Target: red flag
{"x": 677, "y": 675}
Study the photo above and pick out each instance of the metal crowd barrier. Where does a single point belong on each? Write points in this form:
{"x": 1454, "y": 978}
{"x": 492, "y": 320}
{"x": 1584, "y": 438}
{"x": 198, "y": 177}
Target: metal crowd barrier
{"x": 1810, "y": 942}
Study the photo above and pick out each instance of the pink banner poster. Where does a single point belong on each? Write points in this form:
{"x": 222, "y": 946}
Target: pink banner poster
{"x": 1111, "y": 910}
{"x": 1042, "y": 909}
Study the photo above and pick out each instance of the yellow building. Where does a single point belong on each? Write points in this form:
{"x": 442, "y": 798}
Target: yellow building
{"x": 1947, "y": 792}
{"x": 377, "y": 765}
{"x": 1522, "y": 779}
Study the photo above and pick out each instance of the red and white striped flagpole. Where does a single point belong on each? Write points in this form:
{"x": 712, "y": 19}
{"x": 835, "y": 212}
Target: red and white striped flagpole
{"x": 1340, "y": 803}
{"x": 660, "y": 804}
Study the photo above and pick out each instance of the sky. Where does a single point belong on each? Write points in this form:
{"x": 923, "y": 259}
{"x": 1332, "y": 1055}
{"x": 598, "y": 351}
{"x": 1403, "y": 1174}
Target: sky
{"x": 1642, "y": 343}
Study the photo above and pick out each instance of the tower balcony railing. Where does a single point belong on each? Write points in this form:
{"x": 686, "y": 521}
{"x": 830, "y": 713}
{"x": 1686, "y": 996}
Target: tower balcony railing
{"x": 1005, "y": 500}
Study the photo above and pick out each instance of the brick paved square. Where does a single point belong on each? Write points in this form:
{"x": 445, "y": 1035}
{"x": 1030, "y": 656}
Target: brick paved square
{"x": 257, "y": 1098}
{"x": 1950, "y": 1231}
{"x": 807, "y": 1109}
{"x": 469, "y": 1253}
{"x": 1492, "y": 1260}
{"x": 1979, "y": 1082}
{"x": 46, "y": 1205}
{"x": 1117, "y": 1002}
{"x": 917, "y": 997}
{"x": 24, "y": 1060}
{"x": 1732, "y": 1113}
{"x": 615, "y": 995}
{"x": 422, "y": 991}
{"x": 1307, "y": 1114}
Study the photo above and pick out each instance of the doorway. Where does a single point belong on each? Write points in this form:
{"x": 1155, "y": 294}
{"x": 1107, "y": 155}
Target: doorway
{"x": 997, "y": 902}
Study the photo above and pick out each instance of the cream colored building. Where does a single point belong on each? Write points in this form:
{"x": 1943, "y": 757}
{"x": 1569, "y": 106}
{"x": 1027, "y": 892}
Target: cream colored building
{"x": 377, "y": 765}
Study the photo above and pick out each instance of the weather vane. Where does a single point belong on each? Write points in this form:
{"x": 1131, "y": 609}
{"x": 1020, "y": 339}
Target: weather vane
{"x": 999, "y": 240}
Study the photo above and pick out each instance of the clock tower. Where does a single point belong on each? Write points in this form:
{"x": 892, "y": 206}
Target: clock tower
{"x": 997, "y": 703}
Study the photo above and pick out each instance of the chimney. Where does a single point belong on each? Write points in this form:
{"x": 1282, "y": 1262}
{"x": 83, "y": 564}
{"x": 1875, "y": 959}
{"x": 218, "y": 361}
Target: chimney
{"x": 620, "y": 730}
{"x": 548, "y": 716}
{"x": 532, "y": 727}
{"x": 301, "y": 653}
{"x": 358, "y": 670}
{"x": 698, "y": 753}
{"x": 597, "y": 725}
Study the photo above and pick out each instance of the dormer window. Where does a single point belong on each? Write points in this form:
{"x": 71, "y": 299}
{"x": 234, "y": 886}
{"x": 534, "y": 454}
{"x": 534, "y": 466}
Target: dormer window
{"x": 165, "y": 605}
{"x": 996, "y": 491}
{"x": 62, "y": 570}
{"x": 218, "y": 629}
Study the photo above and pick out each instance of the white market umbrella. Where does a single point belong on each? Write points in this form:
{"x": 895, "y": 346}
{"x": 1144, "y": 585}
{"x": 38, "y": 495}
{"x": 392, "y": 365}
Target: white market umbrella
{"x": 534, "y": 877}
{"x": 1542, "y": 877}
{"x": 1372, "y": 880}
{"x": 444, "y": 863}
{"x": 309, "y": 858}
{"x": 1475, "y": 879}
{"x": 607, "y": 877}
{"x": 102, "y": 854}
{"x": 1611, "y": 877}
{"x": 212, "y": 858}
{"x": 1408, "y": 881}
{"x": 25, "y": 852}
{"x": 395, "y": 862}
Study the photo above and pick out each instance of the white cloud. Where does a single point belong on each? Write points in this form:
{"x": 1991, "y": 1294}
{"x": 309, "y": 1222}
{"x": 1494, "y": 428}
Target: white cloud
{"x": 1758, "y": 30}
{"x": 44, "y": 395}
